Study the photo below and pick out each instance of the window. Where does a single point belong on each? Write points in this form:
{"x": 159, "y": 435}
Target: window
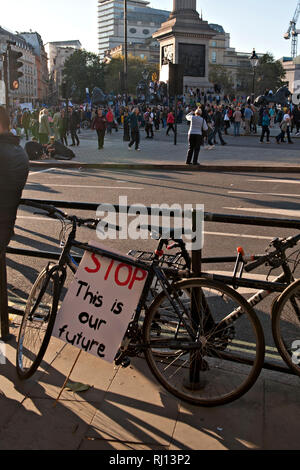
{"x": 146, "y": 31}
{"x": 132, "y": 30}
{"x": 214, "y": 57}
{"x": 214, "y": 43}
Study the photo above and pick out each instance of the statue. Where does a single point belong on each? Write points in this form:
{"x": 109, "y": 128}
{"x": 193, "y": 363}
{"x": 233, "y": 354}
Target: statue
{"x": 280, "y": 97}
{"x": 98, "y": 97}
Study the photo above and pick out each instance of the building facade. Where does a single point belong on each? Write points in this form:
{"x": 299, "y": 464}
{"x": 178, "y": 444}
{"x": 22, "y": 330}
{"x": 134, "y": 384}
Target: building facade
{"x": 142, "y": 21}
{"x": 58, "y": 52}
{"x": 28, "y": 84}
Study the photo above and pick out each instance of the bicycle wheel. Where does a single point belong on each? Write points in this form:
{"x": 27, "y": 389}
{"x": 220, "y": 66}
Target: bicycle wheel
{"x": 205, "y": 346}
{"x": 37, "y": 324}
{"x": 286, "y": 326}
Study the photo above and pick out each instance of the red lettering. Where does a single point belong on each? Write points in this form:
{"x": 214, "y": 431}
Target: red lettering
{"x": 138, "y": 275}
{"x": 108, "y": 270}
{"x": 123, "y": 283}
{"x": 97, "y": 265}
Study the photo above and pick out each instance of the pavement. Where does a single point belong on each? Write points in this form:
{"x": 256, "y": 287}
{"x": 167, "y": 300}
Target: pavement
{"x": 127, "y": 410}
{"x": 244, "y": 153}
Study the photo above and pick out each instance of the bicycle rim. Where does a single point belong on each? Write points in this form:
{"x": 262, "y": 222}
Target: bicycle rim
{"x": 286, "y": 326}
{"x": 37, "y": 324}
{"x": 193, "y": 353}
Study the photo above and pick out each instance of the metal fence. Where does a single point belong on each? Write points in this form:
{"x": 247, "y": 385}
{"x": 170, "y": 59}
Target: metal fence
{"x": 197, "y": 258}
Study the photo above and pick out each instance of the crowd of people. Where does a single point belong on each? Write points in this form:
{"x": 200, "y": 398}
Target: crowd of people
{"x": 51, "y": 129}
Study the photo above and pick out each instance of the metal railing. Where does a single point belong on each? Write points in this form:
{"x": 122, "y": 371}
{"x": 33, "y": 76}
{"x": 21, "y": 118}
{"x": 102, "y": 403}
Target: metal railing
{"x": 197, "y": 258}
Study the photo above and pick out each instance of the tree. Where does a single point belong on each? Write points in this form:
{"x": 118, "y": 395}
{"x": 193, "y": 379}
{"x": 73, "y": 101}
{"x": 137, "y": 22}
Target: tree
{"x": 82, "y": 70}
{"x": 269, "y": 74}
{"x": 136, "y": 66}
{"x": 218, "y": 75}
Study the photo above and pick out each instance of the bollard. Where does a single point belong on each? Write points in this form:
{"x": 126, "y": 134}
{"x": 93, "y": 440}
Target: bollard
{"x": 4, "y": 321}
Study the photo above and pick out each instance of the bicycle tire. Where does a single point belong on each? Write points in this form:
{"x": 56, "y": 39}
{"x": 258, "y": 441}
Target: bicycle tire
{"x": 39, "y": 327}
{"x": 286, "y": 326}
{"x": 220, "y": 354}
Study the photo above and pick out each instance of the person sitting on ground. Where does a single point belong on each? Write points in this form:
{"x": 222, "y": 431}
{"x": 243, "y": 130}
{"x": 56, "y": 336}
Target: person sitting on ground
{"x": 59, "y": 151}
{"x": 35, "y": 150}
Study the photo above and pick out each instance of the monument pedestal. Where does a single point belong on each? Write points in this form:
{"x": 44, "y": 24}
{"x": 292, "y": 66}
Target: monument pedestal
{"x": 184, "y": 39}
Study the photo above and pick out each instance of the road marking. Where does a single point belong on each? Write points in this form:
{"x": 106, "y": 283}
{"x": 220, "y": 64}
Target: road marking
{"x": 275, "y": 181}
{"x": 220, "y": 234}
{"x": 283, "y": 212}
{"x": 31, "y": 173}
{"x": 263, "y": 194}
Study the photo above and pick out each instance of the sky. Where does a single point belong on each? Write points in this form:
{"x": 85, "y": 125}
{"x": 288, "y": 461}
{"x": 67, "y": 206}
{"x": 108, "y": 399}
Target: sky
{"x": 258, "y": 24}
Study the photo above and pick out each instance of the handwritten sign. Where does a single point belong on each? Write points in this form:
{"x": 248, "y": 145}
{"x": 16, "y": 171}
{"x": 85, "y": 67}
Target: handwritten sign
{"x": 99, "y": 305}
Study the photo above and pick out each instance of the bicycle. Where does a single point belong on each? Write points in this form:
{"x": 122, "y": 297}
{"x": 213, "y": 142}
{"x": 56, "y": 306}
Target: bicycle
{"x": 285, "y": 324}
{"x": 193, "y": 335}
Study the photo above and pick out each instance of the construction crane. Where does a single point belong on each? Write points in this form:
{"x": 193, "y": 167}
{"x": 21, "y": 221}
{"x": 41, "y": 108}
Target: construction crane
{"x": 293, "y": 32}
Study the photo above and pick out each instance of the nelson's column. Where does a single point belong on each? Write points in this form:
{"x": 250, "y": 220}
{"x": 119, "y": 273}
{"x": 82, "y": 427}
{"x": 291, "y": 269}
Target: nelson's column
{"x": 184, "y": 39}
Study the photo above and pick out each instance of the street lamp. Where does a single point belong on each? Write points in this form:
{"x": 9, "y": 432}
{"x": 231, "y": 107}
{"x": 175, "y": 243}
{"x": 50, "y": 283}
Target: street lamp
{"x": 254, "y": 59}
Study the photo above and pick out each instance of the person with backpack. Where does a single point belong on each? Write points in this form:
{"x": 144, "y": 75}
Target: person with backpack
{"x": 265, "y": 123}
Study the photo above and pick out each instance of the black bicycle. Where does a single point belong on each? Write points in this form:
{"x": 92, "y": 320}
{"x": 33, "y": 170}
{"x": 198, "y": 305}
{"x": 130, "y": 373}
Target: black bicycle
{"x": 201, "y": 339}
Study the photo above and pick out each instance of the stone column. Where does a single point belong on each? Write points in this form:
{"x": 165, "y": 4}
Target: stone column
{"x": 184, "y": 5}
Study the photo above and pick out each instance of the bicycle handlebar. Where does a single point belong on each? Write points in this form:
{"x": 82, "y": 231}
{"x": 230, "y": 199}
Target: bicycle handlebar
{"x": 283, "y": 246}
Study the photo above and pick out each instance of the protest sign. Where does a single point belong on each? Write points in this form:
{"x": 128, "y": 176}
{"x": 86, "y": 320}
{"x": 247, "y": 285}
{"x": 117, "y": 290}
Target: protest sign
{"x": 99, "y": 305}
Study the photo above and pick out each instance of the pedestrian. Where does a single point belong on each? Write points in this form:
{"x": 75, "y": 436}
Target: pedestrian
{"x": 109, "y": 120}
{"x": 26, "y": 117}
{"x": 99, "y": 124}
{"x": 237, "y": 119}
{"x": 126, "y": 126}
{"x": 170, "y": 122}
{"x": 57, "y": 123}
{"x": 44, "y": 127}
{"x": 285, "y": 129}
{"x": 148, "y": 118}
{"x": 248, "y": 113}
{"x": 134, "y": 128}
{"x": 196, "y": 133}
{"x": 265, "y": 123}
{"x": 63, "y": 127}
{"x": 218, "y": 121}
{"x": 74, "y": 126}
{"x": 14, "y": 167}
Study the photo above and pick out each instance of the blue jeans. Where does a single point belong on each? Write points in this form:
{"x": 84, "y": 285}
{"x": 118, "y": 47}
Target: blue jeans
{"x": 237, "y": 126}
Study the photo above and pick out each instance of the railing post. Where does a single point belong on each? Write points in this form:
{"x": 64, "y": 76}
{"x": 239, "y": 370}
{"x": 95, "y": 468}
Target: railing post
{"x": 193, "y": 381}
{"x": 4, "y": 320}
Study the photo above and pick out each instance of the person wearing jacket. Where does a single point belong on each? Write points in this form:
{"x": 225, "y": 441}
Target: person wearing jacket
{"x": 74, "y": 126}
{"x": 218, "y": 122}
{"x": 197, "y": 126}
{"x": 99, "y": 125}
{"x": 44, "y": 127}
{"x": 134, "y": 127}
{"x": 14, "y": 167}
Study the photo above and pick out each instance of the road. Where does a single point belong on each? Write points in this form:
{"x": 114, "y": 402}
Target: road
{"x": 269, "y": 195}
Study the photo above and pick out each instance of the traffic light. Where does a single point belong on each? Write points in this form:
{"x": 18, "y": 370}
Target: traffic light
{"x": 14, "y": 65}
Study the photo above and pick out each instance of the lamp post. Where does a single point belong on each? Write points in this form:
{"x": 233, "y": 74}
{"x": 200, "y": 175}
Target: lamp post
{"x": 254, "y": 63}
{"x": 125, "y": 52}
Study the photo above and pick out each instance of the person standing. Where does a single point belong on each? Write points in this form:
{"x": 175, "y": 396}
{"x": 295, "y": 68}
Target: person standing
{"x": 74, "y": 126}
{"x": 237, "y": 119}
{"x": 248, "y": 113}
{"x": 63, "y": 127}
{"x": 197, "y": 126}
{"x": 26, "y": 122}
{"x": 134, "y": 127}
{"x": 285, "y": 128}
{"x": 218, "y": 121}
{"x": 148, "y": 118}
{"x": 265, "y": 123}
{"x": 44, "y": 127}
{"x": 14, "y": 167}
{"x": 170, "y": 122}
{"x": 109, "y": 120}
{"x": 57, "y": 123}
{"x": 99, "y": 124}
